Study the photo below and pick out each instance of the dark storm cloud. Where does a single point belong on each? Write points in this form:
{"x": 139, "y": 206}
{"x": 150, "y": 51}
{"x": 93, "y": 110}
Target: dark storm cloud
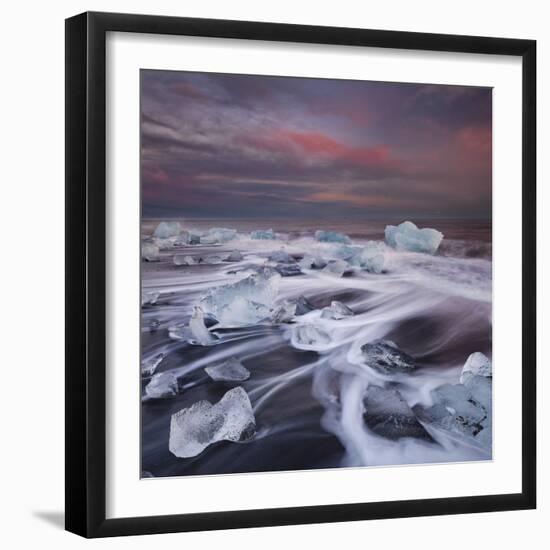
{"x": 218, "y": 145}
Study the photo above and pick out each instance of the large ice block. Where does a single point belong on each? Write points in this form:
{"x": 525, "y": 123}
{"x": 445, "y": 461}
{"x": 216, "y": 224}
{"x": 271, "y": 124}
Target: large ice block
{"x": 165, "y": 230}
{"x": 245, "y": 302}
{"x": 406, "y": 236}
{"x": 202, "y": 424}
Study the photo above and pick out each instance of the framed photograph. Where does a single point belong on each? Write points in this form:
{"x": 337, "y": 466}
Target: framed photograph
{"x": 300, "y": 274}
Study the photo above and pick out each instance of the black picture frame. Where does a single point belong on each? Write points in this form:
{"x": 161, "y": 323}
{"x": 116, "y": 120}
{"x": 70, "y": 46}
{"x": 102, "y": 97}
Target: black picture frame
{"x": 86, "y": 274}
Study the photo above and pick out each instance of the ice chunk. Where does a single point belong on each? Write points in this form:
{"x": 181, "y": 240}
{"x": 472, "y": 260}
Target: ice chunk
{"x": 164, "y": 384}
{"x": 212, "y": 260}
{"x": 235, "y": 256}
{"x": 195, "y": 237}
{"x": 282, "y": 257}
{"x": 406, "y": 236}
{"x": 456, "y": 409}
{"x": 385, "y": 357}
{"x": 336, "y": 310}
{"x": 165, "y": 230}
{"x": 388, "y": 414}
{"x": 149, "y": 298}
{"x": 231, "y": 370}
{"x": 195, "y": 428}
{"x": 261, "y": 234}
{"x": 183, "y": 259}
{"x": 149, "y": 366}
{"x": 337, "y": 268}
{"x": 284, "y": 313}
{"x": 222, "y": 234}
{"x": 182, "y": 239}
{"x": 245, "y": 302}
{"x": 331, "y": 237}
{"x": 370, "y": 258}
{"x": 200, "y": 333}
{"x": 312, "y": 262}
{"x": 288, "y": 270}
{"x": 309, "y": 335}
{"x": 477, "y": 364}
{"x": 303, "y": 305}
{"x": 481, "y": 389}
{"x": 150, "y": 251}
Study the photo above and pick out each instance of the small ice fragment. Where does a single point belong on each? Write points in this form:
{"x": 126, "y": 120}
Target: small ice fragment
{"x": 245, "y": 302}
{"x": 154, "y": 325}
{"x": 303, "y": 305}
{"x": 200, "y": 333}
{"x": 385, "y": 357}
{"x": 149, "y": 298}
{"x": 195, "y": 428}
{"x": 235, "y": 256}
{"x": 388, "y": 414}
{"x": 284, "y": 313}
{"x": 166, "y": 230}
{"x": 281, "y": 257}
{"x": 212, "y": 260}
{"x": 145, "y": 473}
{"x": 261, "y": 234}
{"x": 312, "y": 262}
{"x": 148, "y": 366}
{"x": 163, "y": 384}
{"x": 406, "y": 236}
{"x": 288, "y": 270}
{"x": 309, "y": 335}
{"x": 150, "y": 251}
{"x": 331, "y": 237}
{"x": 477, "y": 364}
{"x": 336, "y": 268}
{"x": 183, "y": 259}
{"x": 336, "y": 310}
{"x": 231, "y": 370}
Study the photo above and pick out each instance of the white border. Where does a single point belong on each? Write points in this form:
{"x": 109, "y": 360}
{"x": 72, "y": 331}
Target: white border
{"x": 129, "y": 496}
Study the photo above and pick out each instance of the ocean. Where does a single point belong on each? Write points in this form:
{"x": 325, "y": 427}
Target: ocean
{"x": 308, "y": 401}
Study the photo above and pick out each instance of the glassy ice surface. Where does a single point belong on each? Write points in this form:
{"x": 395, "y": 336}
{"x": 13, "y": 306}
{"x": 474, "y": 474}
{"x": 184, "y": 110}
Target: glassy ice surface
{"x": 262, "y": 234}
{"x": 148, "y": 366}
{"x": 385, "y": 357}
{"x": 165, "y": 230}
{"x": 406, "y": 236}
{"x": 164, "y": 384}
{"x": 359, "y": 352}
{"x": 331, "y": 237}
{"x": 336, "y": 310}
{"x": 150, "y": 251}
{"x": 477, "y": 364}
{"x": 231, "y": 370}
{"x": 195, "y": 428}
{"x": 246, "y": 302}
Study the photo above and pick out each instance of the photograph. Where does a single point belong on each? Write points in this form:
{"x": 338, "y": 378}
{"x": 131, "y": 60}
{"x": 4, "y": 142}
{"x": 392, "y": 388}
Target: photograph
{"x": 316, "y": 273}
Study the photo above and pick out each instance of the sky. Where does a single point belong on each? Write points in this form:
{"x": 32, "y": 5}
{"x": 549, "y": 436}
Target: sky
{"x": 245, "y": 146}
